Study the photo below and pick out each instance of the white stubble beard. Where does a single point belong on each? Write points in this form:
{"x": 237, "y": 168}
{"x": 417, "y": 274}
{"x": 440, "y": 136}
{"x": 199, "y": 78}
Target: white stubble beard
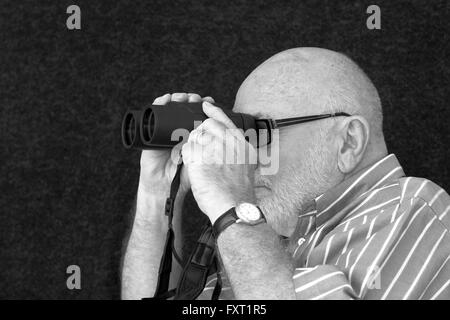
{"x": 295, "y": 187}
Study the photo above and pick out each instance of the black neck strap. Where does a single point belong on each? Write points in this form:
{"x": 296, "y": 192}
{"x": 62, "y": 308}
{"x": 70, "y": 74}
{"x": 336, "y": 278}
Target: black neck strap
{"x": 202, "y": 262}
{"x": 165, "y": 266}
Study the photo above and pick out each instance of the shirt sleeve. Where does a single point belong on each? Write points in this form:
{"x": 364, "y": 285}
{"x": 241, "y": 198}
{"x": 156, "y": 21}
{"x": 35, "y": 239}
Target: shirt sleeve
{"x": 325, "y": 282}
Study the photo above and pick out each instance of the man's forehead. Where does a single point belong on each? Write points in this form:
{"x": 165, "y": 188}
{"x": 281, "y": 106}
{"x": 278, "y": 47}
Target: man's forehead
{"x": 270, "y": 93}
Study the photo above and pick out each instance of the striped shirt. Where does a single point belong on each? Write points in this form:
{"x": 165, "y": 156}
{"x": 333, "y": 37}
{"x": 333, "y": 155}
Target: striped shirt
{"x": 377, "y": 235}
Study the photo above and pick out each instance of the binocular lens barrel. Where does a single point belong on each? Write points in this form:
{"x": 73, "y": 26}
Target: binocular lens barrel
{"x": 156, "y": 126}
{"x": 148, "y": 125}
{"x": 130, "y": 129}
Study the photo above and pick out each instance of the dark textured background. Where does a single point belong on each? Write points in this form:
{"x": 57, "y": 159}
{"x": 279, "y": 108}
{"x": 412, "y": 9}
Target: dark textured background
{"x": 67, "y": 185}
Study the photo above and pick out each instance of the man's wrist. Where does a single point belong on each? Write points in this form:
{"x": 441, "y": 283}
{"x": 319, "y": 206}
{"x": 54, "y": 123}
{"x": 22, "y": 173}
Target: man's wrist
{"x": 158, "y": 188}
{"x": 221, "y": 210}
{"x": 150, "y": 207}
{"x": 245, "y": 213}
{"x": 224, "y": 206}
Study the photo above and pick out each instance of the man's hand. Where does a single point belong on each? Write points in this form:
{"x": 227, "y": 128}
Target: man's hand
{"x": 158, "y": 166}
{"x": 215, "y": 160}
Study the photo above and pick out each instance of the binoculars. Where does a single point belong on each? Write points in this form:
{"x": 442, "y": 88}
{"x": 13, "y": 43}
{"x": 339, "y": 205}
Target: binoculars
{"x": 152, "y": 127}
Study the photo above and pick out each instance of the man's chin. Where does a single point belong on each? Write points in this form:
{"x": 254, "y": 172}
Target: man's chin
{"x": 283, "y": 224}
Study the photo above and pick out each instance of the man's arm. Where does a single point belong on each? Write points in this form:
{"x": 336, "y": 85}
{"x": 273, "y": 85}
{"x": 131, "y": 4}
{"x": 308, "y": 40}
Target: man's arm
{"x": 259, "y": 267}
{"x": 256, "y": 262}
{"x": 146, "y": 245}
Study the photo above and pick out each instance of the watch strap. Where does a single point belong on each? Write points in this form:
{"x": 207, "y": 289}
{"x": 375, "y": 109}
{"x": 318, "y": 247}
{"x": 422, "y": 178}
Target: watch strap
{"x": 224, "y": 221}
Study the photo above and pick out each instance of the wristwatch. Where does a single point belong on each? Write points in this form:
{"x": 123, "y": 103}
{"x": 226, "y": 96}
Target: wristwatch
{"x": 245, "y": 213}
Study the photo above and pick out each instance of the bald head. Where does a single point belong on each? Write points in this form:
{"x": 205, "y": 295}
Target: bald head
{"x": 307, "y": 81}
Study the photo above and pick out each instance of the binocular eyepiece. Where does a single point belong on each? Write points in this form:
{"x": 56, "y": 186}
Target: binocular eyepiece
{"x": 154, "y": 127}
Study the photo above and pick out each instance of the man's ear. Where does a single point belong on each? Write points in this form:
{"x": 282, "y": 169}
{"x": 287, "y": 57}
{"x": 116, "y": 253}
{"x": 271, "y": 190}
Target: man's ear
{"x": 354, "y": 135}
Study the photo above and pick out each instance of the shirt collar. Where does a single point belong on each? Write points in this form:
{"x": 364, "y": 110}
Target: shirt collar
{"x": 381, "y": 173}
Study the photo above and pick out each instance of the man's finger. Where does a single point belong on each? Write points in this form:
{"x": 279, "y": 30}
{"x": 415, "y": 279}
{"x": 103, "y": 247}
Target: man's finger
{"x": 217, "y": 114}
{"x": 180, "y": 97}
{"x": 165, "y": 99}
{"x": 193, "y": 97}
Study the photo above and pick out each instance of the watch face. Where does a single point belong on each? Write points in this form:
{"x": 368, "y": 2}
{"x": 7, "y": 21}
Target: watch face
{"x": 248, "y": 212}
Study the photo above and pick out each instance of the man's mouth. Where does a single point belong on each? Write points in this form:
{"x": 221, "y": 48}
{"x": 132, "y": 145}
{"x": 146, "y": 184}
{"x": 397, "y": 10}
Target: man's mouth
{"x": 260, "y": 187}
{"x": 260, "y": 183}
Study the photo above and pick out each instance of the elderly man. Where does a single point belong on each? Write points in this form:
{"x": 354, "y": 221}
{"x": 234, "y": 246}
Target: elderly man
{"x": 341, "y": 220}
